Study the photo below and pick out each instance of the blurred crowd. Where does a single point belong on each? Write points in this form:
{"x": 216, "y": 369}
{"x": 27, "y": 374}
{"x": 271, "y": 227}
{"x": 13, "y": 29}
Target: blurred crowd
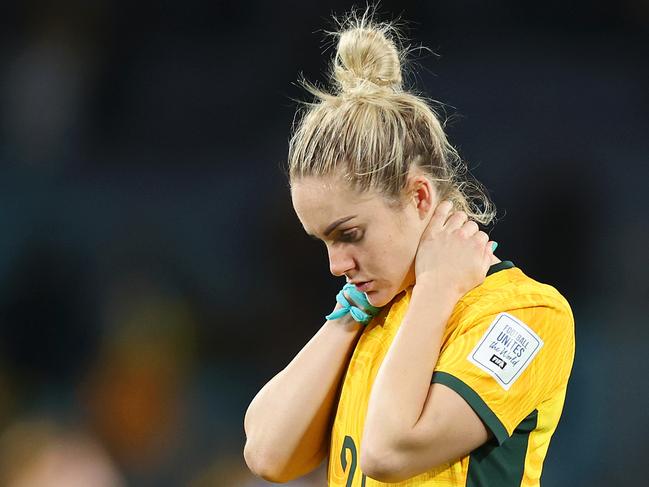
{"x": 153, "y": 275}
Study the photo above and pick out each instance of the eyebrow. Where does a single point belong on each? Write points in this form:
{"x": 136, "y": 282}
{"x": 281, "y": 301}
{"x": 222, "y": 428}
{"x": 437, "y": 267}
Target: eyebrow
{"x": 334, "y": 225}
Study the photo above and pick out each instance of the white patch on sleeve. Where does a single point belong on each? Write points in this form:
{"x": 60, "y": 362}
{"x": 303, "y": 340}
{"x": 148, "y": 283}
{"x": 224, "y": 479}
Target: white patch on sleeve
{"x": 506, "y": 349}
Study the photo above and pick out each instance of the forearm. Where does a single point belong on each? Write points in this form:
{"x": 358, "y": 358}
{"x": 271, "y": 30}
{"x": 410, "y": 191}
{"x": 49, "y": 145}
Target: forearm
{"x": 401, "y": 386}
{"x": 288, "y": 421}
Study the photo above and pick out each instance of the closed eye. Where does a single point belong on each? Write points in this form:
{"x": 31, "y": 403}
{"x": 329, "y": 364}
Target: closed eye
{"x": 350, "y": 236}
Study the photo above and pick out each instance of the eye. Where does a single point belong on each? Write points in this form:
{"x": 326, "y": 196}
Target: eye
{"x": 350, "y": 236}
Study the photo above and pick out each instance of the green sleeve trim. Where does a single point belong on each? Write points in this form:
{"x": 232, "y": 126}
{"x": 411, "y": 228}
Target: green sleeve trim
{"x": 504, "y": 465}
{"x": 476, "y": 403}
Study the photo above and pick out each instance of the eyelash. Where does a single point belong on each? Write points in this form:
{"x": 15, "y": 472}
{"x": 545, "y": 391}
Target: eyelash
{"x": 350, "y": 236}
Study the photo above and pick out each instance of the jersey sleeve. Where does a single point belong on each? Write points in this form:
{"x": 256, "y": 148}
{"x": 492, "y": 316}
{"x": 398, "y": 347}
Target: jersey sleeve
{"x": 505, "y": 363}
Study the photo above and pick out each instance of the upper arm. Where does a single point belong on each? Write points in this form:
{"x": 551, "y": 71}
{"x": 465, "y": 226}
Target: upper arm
{"x": 473, "y": 399}
{"x": 448, "y": 429}
{"x": 277, "y": 455}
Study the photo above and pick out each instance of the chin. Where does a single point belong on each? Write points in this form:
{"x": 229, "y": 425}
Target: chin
{"x": 379, "y": 298}
{"x": 373, "y": 297}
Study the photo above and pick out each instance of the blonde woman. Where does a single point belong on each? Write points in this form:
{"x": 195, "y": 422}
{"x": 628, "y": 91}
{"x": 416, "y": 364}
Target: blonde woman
{"x": 440, "y": 365}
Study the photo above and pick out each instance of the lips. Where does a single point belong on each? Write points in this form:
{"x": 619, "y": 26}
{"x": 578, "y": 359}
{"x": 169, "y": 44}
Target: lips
{"x": 363, "y": 286}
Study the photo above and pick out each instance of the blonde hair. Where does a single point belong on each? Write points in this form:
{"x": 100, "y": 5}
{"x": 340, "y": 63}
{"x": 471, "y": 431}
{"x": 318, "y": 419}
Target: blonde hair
{"x": 372, "y": 129}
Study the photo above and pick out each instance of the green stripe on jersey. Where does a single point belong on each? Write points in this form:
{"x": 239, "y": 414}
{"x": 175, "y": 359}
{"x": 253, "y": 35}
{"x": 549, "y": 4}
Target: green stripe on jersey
{"x": 476, "y": 403}
{"x": 502, "y": 465}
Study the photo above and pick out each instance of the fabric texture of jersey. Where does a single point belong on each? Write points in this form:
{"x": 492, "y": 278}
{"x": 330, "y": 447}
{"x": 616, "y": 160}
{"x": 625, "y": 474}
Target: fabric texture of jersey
{"x": 518, "y": 390}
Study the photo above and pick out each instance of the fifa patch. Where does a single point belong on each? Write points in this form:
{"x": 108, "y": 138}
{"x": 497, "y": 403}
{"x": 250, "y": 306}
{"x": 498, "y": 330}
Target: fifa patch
{"x": 506, "y": 349}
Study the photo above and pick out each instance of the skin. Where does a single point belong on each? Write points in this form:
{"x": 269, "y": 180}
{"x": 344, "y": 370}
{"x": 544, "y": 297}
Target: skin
{"x": 380, "y": 243}
{"x": 411, "y": 426}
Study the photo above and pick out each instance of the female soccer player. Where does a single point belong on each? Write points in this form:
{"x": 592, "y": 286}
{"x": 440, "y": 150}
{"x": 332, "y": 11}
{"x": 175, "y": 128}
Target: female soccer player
{"x": 440, "y": 365}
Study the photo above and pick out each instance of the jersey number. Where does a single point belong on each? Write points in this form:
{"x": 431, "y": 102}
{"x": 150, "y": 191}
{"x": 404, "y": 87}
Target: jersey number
{"x": 348, "y": 444}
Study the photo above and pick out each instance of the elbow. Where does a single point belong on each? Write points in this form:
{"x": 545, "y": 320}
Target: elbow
{"x": 263, "y": 466}
{"x": 258, "y": 462}
{"x": 382, "y": 464}
{"x": 264, "y": 460}
{"x": 380, "y": 459}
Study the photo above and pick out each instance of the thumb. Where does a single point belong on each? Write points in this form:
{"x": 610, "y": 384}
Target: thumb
{"x": 489, "y": 249}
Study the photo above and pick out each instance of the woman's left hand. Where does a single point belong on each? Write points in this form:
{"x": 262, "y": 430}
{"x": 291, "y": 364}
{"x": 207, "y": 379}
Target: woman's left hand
{"x": 453, "y": 252}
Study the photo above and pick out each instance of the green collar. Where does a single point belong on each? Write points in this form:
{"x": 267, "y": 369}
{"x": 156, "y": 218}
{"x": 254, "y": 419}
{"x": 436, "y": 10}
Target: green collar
{"x": 505, "y": 264}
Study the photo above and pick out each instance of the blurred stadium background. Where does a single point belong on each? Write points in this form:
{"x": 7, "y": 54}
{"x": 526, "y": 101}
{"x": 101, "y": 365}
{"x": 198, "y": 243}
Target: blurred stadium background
{"x": 153, "y": 273}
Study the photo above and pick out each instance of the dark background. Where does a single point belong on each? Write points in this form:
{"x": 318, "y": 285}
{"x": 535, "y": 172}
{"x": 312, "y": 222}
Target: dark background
{"x": 154, "y": 275}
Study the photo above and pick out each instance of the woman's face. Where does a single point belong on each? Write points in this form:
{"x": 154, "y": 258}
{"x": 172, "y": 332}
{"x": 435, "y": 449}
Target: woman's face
{"x": 366, "y": 239}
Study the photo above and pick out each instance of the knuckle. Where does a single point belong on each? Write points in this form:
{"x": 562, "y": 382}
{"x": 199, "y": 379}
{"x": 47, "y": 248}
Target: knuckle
{"x": 458, "y": 215}
{"x": 469, "y": 228}
{"x": 442, "y": 210}
{"x": 447, "y": 205}
{"x": 349, "y": 299}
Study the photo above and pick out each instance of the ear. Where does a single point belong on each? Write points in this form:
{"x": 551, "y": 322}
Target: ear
{"x": 424, "y": 196}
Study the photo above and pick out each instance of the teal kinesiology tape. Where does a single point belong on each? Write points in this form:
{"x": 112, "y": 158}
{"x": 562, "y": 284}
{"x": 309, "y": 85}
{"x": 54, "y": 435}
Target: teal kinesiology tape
{"x": 362, "y": 316}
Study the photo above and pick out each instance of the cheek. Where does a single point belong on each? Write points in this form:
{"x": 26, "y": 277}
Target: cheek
{"x": 395, "y": 257}
{"x": 406, "y": 248}
{"x": 403, "y": 264}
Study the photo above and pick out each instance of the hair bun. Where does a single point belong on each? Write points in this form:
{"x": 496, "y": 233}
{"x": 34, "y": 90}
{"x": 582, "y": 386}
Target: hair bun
{"x": 366, "y": 54}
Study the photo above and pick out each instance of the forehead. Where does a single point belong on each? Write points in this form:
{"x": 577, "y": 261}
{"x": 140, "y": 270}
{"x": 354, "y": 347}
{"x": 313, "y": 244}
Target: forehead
{"x": 320, "y": 200}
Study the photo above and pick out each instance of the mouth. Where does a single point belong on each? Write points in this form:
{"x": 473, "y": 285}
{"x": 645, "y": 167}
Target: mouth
{"x": 364, "y": 286}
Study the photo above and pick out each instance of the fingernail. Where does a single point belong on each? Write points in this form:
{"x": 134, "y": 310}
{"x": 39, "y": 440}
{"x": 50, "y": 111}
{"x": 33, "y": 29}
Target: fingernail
{"x": 494, "y": 246}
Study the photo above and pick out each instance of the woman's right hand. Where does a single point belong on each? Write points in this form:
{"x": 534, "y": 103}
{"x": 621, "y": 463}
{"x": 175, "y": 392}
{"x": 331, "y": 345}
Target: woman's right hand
{"x": 357, "y": 299}
{"x": 346, "y": 321}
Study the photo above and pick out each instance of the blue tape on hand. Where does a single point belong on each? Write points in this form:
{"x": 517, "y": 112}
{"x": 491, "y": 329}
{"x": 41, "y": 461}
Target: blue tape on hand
{"x": 339, "y": 313}
{"x": 363, "y": 317}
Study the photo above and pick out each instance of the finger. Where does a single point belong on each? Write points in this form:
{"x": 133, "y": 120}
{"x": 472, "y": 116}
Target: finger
{"x": 356, "y": 298}
{"x": 456, "y": 220}
{"x": 440, "y": 215}
{"x": 482, "y": 238}
{"x": 470, "y": 228}
{"x": 487, "y": 255}
{"x": 485, "y": 244}
{"x": 361, "y": 303}
{"x": 491, "y": 246}
{"x": 349, "y": 299}
{"x": 354, "y": 302}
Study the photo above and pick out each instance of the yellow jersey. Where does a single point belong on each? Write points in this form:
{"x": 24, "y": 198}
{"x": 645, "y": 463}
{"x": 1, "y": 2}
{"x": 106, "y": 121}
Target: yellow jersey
{"x": 508, "y": 350}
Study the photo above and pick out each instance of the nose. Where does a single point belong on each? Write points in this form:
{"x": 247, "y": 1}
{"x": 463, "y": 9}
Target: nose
{"x": 340, "y": 260}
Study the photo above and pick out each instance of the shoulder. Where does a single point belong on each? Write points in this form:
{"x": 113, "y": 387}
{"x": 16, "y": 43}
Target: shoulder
{"x": 512, "y": 283}
{"x": 512, "y": 291}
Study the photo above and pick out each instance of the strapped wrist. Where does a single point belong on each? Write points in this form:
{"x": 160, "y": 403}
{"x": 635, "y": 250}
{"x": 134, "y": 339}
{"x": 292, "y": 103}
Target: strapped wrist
{"x": 363, "y": 316}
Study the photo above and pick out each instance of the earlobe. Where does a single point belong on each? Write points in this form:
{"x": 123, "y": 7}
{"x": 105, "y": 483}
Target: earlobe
{"x": 424, "y": 198}
{"x": 422, "y": 194}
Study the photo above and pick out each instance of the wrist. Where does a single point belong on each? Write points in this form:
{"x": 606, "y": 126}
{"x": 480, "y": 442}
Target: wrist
{"x": 432, "y": 289}
{"x": 346, "y": 324}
